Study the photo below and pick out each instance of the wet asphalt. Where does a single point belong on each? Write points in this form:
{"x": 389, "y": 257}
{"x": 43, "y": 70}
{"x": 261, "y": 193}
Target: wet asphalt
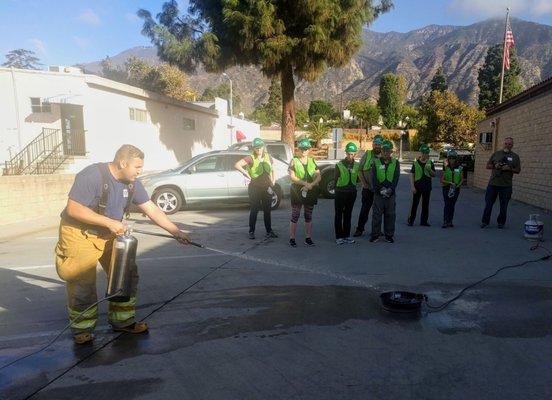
{"x": 257, "y": 319}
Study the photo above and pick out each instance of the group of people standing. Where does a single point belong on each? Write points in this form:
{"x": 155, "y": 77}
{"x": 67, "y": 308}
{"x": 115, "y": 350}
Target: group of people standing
{"x": 378, "y": 173}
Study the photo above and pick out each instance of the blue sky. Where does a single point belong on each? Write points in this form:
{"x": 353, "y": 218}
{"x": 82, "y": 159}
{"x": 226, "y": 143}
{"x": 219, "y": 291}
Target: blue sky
{"x": 64, "y": 32}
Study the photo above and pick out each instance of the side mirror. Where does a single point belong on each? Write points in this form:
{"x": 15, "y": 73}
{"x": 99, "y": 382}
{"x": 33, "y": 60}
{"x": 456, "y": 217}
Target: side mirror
{"x": 189, "y": 170}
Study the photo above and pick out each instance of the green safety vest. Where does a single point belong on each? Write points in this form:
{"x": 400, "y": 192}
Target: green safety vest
{"x": 457, "y": 178}
{"x": 368, "y": 162}
{"x": 299, "y": 168}
{"x": 383, "y": 174}
{"x": 344, "y": 177}
{"x": 259, "y": 167}
{"x": 418, "y": 173}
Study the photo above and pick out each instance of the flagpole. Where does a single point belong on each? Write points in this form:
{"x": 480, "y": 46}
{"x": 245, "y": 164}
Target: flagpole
{"x": 503, "y": 55}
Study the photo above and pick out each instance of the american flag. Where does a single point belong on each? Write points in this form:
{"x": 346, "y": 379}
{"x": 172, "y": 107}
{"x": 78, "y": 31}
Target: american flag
{"x": 508, "y": 43}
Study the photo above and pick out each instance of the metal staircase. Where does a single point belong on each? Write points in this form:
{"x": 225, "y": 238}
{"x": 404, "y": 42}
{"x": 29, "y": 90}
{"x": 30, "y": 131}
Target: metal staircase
{"x": 46, "y": 153}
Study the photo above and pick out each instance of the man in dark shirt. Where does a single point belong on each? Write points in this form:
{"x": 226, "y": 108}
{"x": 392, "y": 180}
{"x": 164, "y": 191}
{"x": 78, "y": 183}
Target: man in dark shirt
{"x": 421, "y": 173}
{"x": 89, "y": 224}
{"x": 385, "y": 176}
{"x": 504, "y": 164}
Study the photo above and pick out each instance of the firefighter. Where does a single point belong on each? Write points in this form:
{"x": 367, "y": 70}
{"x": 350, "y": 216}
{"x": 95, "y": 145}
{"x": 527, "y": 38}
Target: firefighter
{"x": 451, "y": 181}
{"x": 100, "y": 196}
{"x": 421, "y": 173}
{"x": 258, "y": 169}
{"x": 365, "y": 175}
{"x": 346, "y": 178}
{"x": 385, "y": 176}
{"x": 305, "y": 176}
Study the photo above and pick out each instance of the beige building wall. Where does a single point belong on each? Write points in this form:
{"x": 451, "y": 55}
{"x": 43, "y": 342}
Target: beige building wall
{"x": 530, "y": 125}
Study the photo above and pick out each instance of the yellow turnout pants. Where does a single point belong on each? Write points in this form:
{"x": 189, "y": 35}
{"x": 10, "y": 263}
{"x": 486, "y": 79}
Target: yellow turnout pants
{"x": 78, "y": 252}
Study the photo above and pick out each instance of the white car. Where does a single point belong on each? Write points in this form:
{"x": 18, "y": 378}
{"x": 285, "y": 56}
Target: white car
{"x": 209, "y": 178}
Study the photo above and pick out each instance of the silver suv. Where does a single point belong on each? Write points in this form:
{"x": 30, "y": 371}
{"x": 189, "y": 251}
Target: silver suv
{"x": 208, "y": 178}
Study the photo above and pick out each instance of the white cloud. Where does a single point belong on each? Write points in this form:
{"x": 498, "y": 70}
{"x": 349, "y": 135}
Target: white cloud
{"x": 132, "y": 17}
{"x": 497, "y": 8}
{"x": 82, "y": 43}
{"x": 89, "y": 17}
{"x": 39, "y": 45}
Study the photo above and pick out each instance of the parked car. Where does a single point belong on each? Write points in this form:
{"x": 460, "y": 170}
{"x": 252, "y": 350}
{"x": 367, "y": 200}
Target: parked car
{"x": 208, "y": 178}
{"x": 282, "y": 151}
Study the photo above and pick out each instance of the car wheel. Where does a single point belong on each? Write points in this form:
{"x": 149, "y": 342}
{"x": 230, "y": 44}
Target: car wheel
{"x": 328, "y": 186}
{"x": 276, "y": 198}
{"x": 167, "y": 199}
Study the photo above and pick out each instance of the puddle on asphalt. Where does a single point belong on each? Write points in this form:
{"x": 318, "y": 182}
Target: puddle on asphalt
{"x": 268, "y": 312}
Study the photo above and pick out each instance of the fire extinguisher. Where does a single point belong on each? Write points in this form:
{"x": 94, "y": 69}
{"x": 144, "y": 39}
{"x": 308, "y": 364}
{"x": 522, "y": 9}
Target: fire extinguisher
{"x": 123, "y": 257}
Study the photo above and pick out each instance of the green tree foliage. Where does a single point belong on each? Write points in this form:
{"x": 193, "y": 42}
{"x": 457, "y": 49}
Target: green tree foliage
{"x": 489, "y": 78}
{"x": 318, "y": 131}
{"x": 270, "y": 112}
{"x": 301, "y": 117}
{"x": 449, "y": 120}
{"x": 392, "y": 94}
{"x": 364, "y": 111}
{"x": 287, "y": 39}
{"x": 321, "y": 109}
{"x": 222, "y": 91}
{"x": 439, "y": 81}
{"x": 21, "y": 58}
{"x": 162, "y": 78}
{"x": 413, "y": 117}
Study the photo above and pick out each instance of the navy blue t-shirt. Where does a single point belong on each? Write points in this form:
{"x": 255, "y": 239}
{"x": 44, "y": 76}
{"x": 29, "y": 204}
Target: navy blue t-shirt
{"x": 87, "y": 190}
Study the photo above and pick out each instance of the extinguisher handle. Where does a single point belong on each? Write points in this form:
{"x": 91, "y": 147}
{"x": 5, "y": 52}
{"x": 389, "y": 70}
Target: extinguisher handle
{"x": 166, "y": 236}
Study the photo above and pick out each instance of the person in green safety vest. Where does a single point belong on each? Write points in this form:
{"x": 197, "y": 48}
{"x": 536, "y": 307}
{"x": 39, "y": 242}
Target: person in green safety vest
{"x": 258, "y": 168}
{"x": 346, "y": 179}
{"x": 451, "y": 181}
{"x": 385, "y": 176}
{"x": 421, "y": 173}
{"x": 305, "y": 176}
{"x": 365, "y": 175}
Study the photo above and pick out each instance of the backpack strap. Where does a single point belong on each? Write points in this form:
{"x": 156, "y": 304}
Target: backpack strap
{"x": 130, "y": 188}
{"x": 102, "y": 204}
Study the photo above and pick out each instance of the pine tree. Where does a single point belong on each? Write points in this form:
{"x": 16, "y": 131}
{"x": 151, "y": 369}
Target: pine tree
{"x": 489, "y": 78}
{"x": 439, "y": 81}
{"x": 21, "y": 58}
{"x": 392, "y": 94}
{"x": 286, "y": 39}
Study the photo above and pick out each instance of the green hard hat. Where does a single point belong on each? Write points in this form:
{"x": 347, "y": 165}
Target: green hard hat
{"x": 424, "y": 148}
{"x": 387, "y": 145}
{"x": 351, "y": 148}
{"x": 452, "y": 154}
{"x": 378, "y": 139}
{"x": 258, "y": 143}
{"x": 304, "y": 144}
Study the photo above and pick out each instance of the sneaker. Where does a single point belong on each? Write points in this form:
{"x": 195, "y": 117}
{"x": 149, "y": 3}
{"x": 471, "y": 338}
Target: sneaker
{"x": 339, "y": 241}
{"x": 410, "y": 222}
{"x": 309, "y": 242}
{"x": 292, "y": 243}
{"x": 450, "y": 225}
{"x": 358, "y": 233}
{"x": 425, "y": 224}
{"x": 500, "y": 226}
{"x": 348, "y": 240}
{"x": 484, "y": 225}
{"x": 374, "y": 239}
{"x": 389, "y": 239}
{"x": 445, "y": 225}
{"x": 271, "y": 235}
{"x": 251, "y": 235}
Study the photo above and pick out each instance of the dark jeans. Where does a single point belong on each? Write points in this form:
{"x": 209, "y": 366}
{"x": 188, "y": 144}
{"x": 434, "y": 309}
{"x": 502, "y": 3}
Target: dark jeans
{"x": 259, "y": 199}
{"x": 450, "y": 204}
{"x": 425, "y": 194}
{"x": 367, "y": 201}
{"x": 344, "y": 202}
{"x": 504, "y": 193}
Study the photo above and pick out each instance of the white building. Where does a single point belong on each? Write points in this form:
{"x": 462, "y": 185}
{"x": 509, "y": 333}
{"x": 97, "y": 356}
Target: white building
{"x": 89, "y": 117}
